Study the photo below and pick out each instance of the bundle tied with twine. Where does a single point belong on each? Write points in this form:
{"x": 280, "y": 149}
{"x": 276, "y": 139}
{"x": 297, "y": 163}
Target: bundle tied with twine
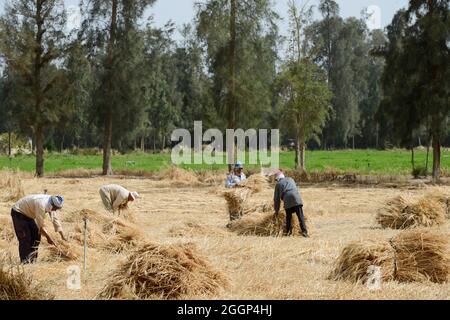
{"x": 17, "y": 284}
{"x": 404, "y": 213}
{"x": 413, "y": 255}
{"x": 163, "y": 272}
{"x": 236, "y": 198}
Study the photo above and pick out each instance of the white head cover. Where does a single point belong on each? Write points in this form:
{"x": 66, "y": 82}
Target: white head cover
{"x": 279, "y": 175}
{"x": 135, "y": 195}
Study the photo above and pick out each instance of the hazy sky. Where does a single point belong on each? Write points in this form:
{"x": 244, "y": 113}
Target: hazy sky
{"x": 182, "y": 11}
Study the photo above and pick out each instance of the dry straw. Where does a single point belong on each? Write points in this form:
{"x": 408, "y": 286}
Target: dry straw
{"x": 179, "y": 177}
{"x": 193, "y": 229}
{"x": 17, "y": 284}
{"x": 6, "y": 228}
{"x": 62, "y": 251}
{"x": 413, "y": 255}
{"x": 163, "y": 272}
{"x": 403, "y": 213}
{"x": 11, "y": 185}
{"x": 443, "y": 199}
{"x": 121, "y": 236}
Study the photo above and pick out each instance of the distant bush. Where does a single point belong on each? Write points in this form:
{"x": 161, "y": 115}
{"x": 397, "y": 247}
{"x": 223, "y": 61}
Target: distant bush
{"x": 419, "y": 171}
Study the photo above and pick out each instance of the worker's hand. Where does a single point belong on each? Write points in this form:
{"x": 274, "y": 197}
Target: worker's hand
{"x": 50, "y": 241}
{"x": 63, "y": 236}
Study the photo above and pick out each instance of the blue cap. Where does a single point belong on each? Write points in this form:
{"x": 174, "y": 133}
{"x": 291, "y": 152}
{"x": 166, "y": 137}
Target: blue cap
{"x": 239, "y": 165}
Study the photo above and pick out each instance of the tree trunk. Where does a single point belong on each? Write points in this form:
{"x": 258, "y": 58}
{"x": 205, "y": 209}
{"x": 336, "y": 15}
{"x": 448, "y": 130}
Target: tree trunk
{"x": 107, "y": 141}
{"x": 231, "y": 112}
{"x": 302, "y": 150}
{"x": 412, "y": 158}
{"x": 39, "y": 152}
{"x": 9, "y": 143}
{"x": 297, "y": 153}
{"x": 427, "y": 160}
{"x": 142, "y": 144}
{"x": 436, "y": 158}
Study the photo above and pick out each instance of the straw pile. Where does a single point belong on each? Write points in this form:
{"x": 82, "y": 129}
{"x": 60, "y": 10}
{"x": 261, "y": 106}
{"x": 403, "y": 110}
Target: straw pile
{"x": 265, "y": 225}
{"x": 236, "y": 199}
{"x": 443, "y": 199}
{"x": 413, "y": 255}
{"x": 95, "y": 237}
{"x": 16, "y": 284}
{"x": 63, "y": 251}
{"x": 401, "y": 213}
{"x": 163, "y": 272}
{"x": 6, "y": 228}
{"x": 121, "y": 236}
{"x": 193, "y": 229}
{"x": 256, "y": 183}
{"x": 11, "y": 186}
{"x": 178, "y": 176}
{"x": 91, "y": 215}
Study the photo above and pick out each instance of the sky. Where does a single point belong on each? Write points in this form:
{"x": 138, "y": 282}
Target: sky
{"x": 182, "y": 11}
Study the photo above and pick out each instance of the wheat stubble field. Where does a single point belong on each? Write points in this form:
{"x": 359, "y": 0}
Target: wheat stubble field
{"x": 255, "y": 267}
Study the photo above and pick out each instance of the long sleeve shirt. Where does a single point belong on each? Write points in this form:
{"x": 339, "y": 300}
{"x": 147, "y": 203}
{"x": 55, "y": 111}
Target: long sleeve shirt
{"x": 118, "y": 195}
{"x": 286, "y": 190}
{"x": 36, "y": 207}
{"x": 233, "y": 180}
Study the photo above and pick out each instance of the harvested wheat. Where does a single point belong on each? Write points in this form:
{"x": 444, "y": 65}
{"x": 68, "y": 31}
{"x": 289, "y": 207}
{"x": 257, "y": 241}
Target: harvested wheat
{"x": 256, "y": 183}
{"x": 193, "y": 229}
{"x": 91, "y": 215}
{"x": 401, "y": 213}
{"x": 6, "y": 228}
{"x": 16, "y": 284}
{"x": 178, "y": 176}
{"x": 63, "y": 251}
{"x": 121, "y": 236}
{"x": 11, "y": 186}
{"x": 236, "y": 199}
{"x": 95, "y": 237}
{"x": 264, "y": 225}
{"x": 163, "y": 272}
{"x": 413, "y": 255}
{"x": 443, "y": 199}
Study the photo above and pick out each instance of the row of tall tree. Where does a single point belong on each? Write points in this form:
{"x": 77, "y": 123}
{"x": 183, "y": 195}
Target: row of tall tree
{"x": 119, "y": 82}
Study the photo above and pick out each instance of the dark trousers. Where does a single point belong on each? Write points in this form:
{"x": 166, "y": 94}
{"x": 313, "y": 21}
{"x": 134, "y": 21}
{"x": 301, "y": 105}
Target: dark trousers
{"x": 298, "y": 210}
{"x": 29, "y": 236}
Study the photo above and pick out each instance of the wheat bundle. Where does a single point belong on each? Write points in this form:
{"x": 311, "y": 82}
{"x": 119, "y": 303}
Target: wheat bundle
{"x": 256, "y": 183}
{"x": 163, "y": 272}
{"x": 95, "y": 237}
{"x": 121, "y": 236}
{"x": 413, "y": 255}
{"x": 236, "y": 199}
{"x": 62, "y": 251}
{"x": 178, "y": 176}
{"x": 16, "y": 284}
{"x": 193, "y": 229}
{"x": 12, "y": 184}
{"x": 264, "y": 225}
{"x": 6, "y": 228}
{"x": 401, "y": 213}
{"x": 91, "y": 215}
{"x": 443, "y": 199}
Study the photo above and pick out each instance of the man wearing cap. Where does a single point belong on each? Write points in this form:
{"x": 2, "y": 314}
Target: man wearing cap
{"x": 236, "y": 176}
{"x": 116, "y": 197}
{"x": 28, "y": 215}
{"x": 286, "y": 190}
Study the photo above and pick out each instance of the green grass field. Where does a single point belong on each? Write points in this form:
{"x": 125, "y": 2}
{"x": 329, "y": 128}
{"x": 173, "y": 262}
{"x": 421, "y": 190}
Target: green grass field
{"x": 359, "y": 161}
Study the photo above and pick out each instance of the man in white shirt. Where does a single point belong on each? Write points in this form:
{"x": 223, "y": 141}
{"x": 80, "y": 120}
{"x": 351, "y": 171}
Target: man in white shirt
{"x": 236, "y": 177}
{"x": 28, "y": 215}
{"x": 116, "y": 197}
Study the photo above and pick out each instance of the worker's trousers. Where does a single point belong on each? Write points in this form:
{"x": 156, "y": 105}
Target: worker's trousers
{"x": 29, "y": 236}
{"x": 298, "y": 210}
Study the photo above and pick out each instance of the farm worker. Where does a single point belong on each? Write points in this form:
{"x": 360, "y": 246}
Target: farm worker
{"x": 236, "y": 176}
{"x": 28, "y": 215}
{"x": 116, "y": 197}
{"x": 286, "y": 190}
